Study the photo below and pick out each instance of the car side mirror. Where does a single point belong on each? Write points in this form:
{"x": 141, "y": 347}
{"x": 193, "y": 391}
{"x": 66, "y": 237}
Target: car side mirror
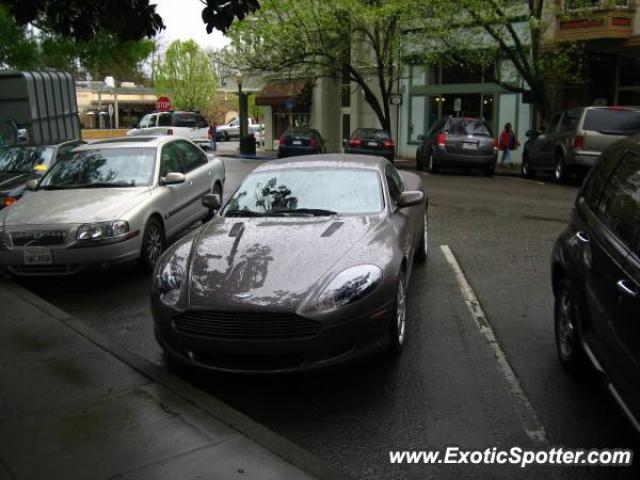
{"x": 23, "y": 136}
{"x": 173, "y": 178}
{"x": 410, "y": 198}
{"x": 31, "y": 185}
{"x": 421, "y": 137}
{"x": 212, "y": 201}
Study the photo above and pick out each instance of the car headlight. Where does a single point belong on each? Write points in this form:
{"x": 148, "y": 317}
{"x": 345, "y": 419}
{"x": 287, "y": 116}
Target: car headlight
{"x": 170, "y": 273}
{"x": 350, "y": 285}
{"x": 103, "y": 230}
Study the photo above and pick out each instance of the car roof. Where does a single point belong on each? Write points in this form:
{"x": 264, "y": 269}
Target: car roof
{"x": 327, "y": 160}
{"x": 133, "y": 141}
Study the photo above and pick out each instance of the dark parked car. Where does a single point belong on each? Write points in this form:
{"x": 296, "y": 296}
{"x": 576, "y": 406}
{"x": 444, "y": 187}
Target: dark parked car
{"x": 19, "y": 164}
{"x": 596, "y": 277}
{"x": 572, "y": 141}
{"x": 306, "y": 266}
{"x": 371, "y": 141}
{"x": 300, "y": 141}
{"x": 458, "y": 142}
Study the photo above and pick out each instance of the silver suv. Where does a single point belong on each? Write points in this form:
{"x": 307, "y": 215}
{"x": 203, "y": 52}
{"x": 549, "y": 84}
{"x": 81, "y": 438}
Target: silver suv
{"x": 572, "y": 140}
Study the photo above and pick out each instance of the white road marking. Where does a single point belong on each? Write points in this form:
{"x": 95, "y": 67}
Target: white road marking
{"x": 532, "y": 426}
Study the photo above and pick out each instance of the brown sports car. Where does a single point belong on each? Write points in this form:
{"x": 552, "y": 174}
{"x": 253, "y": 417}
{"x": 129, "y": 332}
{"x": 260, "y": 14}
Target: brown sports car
{"x": 307, "y": 265}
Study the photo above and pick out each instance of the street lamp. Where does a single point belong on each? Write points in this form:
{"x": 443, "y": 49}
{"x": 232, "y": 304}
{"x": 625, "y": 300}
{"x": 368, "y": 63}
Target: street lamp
{"x": 246, "y": 146}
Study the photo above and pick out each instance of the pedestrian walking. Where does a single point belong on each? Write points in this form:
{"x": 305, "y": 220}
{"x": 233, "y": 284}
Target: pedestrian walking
{"x": 213, "y": 133}
{"x": 507, "y": 143}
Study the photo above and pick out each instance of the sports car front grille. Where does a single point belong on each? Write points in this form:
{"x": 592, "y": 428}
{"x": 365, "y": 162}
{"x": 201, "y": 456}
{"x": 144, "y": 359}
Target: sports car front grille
{"x": 246, "y": 325}
{"x": 38, "y": 238}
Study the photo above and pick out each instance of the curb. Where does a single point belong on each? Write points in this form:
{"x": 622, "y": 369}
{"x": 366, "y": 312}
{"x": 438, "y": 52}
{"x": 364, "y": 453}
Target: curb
{"x": 277, "y": 444}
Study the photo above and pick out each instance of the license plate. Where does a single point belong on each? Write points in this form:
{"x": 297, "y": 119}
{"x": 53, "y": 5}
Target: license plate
{"x": 470, "y": 146}
{"x": 372, "y": 144}
{"x": 296, "y": 142}
{"x": 38, "y": 257}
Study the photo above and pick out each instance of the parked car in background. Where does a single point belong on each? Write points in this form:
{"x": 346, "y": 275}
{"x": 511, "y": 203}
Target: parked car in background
{"x": 572, "y": 140}
{"x": 231, "y": 130}
{"x": 107, "y": 203}
{"x": 307, "y": 266}
{"x": 596, "y": 277}
{"x": 371, "y": 141}
{"x": 19, "y": 164}
{"x": 458, "y": 142}
{"x": 189, "y": 125}
{"x": 300, "y": 141}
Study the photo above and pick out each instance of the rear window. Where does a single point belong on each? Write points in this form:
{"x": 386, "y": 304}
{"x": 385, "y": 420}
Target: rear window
{"x": 469, "y": 127}
{"x": 306, "y": 134}
{"x": 371, "y": 134}
{"x": 613, "y": 121}
{"x": 189, "y": 119}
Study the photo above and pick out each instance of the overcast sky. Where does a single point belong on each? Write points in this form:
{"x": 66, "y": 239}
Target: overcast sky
{"x": 183, "y": 19}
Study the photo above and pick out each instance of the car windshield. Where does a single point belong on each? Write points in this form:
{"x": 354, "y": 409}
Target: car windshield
{"x": 468, "y": 126}
{"x": 187, "y": 119}
{"x": 103, "y": 168}
{"x": 614, "y": 121}
{"x": 371, "y": 134}
{"x": 25, "y": 159}
{"x": 307, "y": 191}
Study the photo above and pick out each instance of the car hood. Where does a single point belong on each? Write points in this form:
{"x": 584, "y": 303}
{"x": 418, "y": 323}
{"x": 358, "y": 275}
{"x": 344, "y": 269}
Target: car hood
{"x": 11, "y": 180}
{"x": 270, "y": 263}
{"x": 74, "y": 206}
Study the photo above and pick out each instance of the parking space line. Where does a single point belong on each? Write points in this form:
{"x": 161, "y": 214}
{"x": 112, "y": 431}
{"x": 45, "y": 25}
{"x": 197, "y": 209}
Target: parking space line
{"x": 532, "y": 426}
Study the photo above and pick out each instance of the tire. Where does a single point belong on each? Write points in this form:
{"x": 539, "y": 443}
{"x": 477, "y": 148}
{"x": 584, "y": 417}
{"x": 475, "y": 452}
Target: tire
{"x": 217, "y": 189}
{"x": 560, "y": 170}
{"x": 432, "y": 166}
{"x": 489, "y": 171}
{"x": 397, "y": 328}
{"x": 153, "y": 244}
{"x": 527, "y": 171}
{"x": 565, "y": 315}
{"x": 422, "y": 251}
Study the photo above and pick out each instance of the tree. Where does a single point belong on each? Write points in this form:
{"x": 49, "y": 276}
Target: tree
{"x": 186, "y": 75}
{"x": 83, "y": 20}
{"x": 506, "y": 33}
{"x": 359, "y": 39}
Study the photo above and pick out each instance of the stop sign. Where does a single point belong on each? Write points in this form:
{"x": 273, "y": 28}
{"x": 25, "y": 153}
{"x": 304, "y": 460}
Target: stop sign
{"x": 163, "y": 104}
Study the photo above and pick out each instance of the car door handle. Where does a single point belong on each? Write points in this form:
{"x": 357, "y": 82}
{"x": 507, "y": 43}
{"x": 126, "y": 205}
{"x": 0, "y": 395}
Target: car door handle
{"x": 626, "y": 289}
{"x": 583, "y": 237}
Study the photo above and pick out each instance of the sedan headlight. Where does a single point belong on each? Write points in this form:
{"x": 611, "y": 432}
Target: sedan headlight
{"x": 350, "y": 285}
{"x": 103, "y": 230}
{"x": 169, "y": 276}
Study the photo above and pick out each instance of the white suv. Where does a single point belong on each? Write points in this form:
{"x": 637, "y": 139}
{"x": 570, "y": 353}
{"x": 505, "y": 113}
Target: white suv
{"x": 189, "y": 125}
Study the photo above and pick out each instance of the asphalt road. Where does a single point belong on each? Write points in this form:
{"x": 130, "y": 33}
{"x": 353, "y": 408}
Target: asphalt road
{"x": 448, "y": 387}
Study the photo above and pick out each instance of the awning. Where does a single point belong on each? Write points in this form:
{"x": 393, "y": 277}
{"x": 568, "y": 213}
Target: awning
{"x": 278, "y": 91}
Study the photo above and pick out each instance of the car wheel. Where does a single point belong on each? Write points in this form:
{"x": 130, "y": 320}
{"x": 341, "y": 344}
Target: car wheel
{"x": 398, "y": 323}
{"x": 527, "y": 171}
{"x": 432, "y": 166}
{"x": 422, "y": 250}
{"x": 490, "y": 171}
{"x": 225, "y": 135}
{"x": 153, "y": 244}
{"x": 560, "y": 171}
{"x": 568, "y": 345}
{"x": 217, "y": 189}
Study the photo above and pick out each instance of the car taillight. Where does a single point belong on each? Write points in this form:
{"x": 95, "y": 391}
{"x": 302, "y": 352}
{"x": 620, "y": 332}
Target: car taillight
{"x": 313, "y": 142}
{"x": 355, "y": 142}
{"x": 495, "y": 144}
{"x": 283, "y": 140}
{"x": 169, "y": 131}
{"x": 442, "y": 140}
{"x": 388, "y": 144}
{"x": 9, "y": 200}
{"x": 578, "y": 142}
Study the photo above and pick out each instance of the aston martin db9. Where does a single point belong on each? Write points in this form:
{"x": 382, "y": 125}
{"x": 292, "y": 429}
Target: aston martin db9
{"x": 306, "y": 266}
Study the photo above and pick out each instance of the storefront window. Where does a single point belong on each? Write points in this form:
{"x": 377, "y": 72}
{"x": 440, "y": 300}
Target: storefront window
{"x": 418, "y": 76}
{"x": 460, "y": 74}
{"x": 629, "y": 68}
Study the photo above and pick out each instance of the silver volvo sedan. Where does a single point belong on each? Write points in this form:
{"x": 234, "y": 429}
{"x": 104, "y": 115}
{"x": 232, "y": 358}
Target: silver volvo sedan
{"x": 107, "y": 203}
{"x": 306, "y": 266}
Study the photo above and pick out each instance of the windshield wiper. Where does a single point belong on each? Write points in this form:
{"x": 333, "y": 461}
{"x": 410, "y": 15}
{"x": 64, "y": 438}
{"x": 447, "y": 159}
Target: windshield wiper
{"x": 243, "y": 213}
{"x": 56, "y": 187}
{"x": 316, "y": 212}
{"x": 106, "y": 185}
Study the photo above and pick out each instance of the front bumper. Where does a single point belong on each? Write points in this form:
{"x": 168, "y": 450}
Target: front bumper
{"x": 335, "y": 344}
{"x": 71, "y": 258}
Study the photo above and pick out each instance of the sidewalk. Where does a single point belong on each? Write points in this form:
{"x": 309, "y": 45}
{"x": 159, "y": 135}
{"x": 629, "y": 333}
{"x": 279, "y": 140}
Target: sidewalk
{"x": 72, "y": 406}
